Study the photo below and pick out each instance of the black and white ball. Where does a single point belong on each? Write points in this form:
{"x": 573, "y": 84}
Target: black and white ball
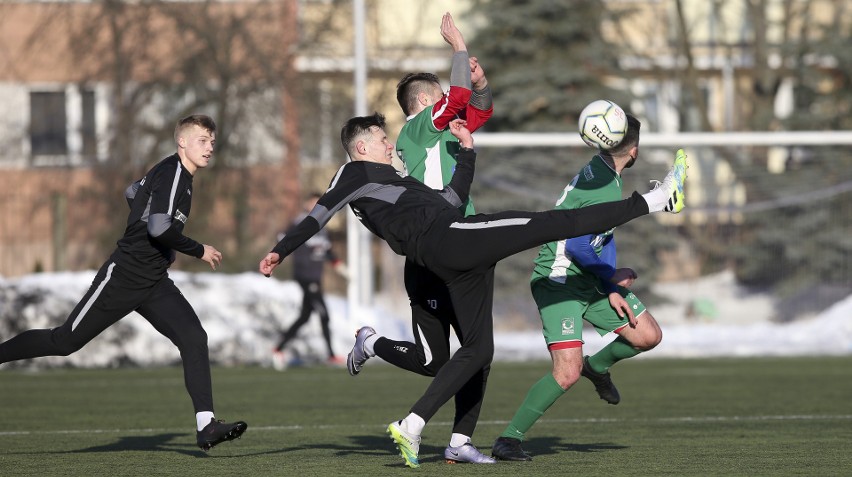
{"x": 602, "y": 124}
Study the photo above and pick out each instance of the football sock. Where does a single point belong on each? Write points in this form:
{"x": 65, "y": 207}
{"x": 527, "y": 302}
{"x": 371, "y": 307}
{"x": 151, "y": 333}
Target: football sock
{"x": 413, "y": 424}
{"x": 612, "y": 353}
{"x": 458, "y": 440}
{"x": 369, "y": 343}
{"x": 657, "y": 199}
{"x": 539, "y": 398}
{"x": 202, "y": 419}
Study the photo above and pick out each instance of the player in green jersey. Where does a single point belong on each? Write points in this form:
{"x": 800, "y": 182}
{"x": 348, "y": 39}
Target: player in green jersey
{"x": 576, "y": 279}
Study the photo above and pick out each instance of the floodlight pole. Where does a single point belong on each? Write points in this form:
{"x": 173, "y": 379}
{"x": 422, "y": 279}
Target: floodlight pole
{"x": 360, "y": 289}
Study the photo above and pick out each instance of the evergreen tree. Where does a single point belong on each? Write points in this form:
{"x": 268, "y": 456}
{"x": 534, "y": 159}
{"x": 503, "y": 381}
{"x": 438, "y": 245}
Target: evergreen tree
{"x": 545, "y": 61}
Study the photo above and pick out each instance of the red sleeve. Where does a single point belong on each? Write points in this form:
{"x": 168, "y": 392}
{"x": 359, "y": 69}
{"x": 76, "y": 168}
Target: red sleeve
{"x": 477, "y": 117}
{"x": 451, "y": 106}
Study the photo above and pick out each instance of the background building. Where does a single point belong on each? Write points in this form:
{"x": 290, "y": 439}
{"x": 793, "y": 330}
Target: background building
{"x": 89, "y": 92}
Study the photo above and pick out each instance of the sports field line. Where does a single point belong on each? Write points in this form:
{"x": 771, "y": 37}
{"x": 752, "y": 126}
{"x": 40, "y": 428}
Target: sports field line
{"x": 296, "y": 427}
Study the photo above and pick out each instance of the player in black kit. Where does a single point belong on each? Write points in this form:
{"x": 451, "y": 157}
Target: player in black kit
{"x": 427, "y": 227}
{"x": 135, "y": 278}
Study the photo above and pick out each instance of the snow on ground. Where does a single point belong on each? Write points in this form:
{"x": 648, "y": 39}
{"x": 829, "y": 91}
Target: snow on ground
{"x": 243, "y": 314}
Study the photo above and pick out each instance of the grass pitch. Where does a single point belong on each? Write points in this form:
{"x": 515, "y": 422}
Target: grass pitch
{"x": 781, "y": 416}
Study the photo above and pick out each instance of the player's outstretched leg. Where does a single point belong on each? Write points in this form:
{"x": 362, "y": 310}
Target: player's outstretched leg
{"x": 602, "y": 381}
{"x": 358, "y": 356}
{"x": 466, "y": 453}
{"x": 509, "y": 448}
{"x": 219, "y": 431}
{"x": 407, "y": 443}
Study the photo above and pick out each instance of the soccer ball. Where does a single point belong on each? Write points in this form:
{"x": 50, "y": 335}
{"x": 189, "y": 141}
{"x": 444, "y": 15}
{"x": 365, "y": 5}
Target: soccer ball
{"x": 602, "y": 124}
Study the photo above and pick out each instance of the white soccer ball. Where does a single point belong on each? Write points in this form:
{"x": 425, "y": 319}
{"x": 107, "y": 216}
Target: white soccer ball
{"x": 602, "y": 124}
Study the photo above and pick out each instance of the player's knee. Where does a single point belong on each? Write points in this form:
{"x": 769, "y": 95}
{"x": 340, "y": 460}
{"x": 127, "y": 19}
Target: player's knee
{"x": 67, "y": 347}
{"x": 566, "y": 376}
{"x": 195, "y": 339}
{"x": 435, "y": 365}
{"x": 484, "y": 359}
{"x": 648, "y": 340}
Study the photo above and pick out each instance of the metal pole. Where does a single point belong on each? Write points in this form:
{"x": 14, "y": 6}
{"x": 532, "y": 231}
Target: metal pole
{"x": 360, "y": 290}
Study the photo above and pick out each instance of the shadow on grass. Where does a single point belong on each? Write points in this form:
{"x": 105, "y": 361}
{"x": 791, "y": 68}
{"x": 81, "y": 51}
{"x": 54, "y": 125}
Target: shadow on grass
{"x": 159, "y": 443}
{"x": 363, "y": 445}
{"x": 372, "y": 445}
{"x": 555, "y": 445}
{"x": 381, "y": 446}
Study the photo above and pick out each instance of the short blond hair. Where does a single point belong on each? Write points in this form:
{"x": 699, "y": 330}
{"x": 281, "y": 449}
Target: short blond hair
{"x": 200, "y": 120}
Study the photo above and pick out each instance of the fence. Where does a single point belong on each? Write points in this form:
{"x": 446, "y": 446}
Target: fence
{"x": 768, "y": 214}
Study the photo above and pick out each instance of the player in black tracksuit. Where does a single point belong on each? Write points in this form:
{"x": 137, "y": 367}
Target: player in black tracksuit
{"x": 426, "y": 226}
{"x": 308, "y": 267}
{"x": 135, "y": 278}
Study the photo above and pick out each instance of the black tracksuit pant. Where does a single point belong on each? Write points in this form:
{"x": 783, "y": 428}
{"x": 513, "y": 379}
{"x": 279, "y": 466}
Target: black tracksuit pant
{"x": 463, "y": 253}
{"x": 432, "y": 317}
{"x": 312, "y": 300}
{"x": 114, "y": 294}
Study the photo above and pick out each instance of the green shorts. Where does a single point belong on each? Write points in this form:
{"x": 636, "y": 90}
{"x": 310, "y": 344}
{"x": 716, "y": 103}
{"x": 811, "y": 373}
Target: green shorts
{"x": 563, "y": 308}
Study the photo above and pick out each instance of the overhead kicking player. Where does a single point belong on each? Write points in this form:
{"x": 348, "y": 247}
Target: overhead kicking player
{"x": 135, "y": 278}
{"x": 427, "y": 227}
{"x": 575, "y": 279}
{"x": 428, "y": 149}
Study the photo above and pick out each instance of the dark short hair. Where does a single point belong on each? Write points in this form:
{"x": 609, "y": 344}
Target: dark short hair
{"x": 410, "y": 86}
{"x": 356, "y": 127}
{"x": 631, "y": 136}
{"x": 200, "y": 120}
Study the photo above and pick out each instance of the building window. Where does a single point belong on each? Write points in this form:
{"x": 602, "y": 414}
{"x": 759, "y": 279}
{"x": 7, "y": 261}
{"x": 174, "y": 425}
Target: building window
{"x": 48, "y": 134}
{"x": 62, "y": 126}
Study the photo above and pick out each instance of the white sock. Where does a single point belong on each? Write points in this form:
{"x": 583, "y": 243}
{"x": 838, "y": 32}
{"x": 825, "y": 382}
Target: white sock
{"x": 413, "y": 424}
{"x": 202, "y": 419}
{"x": 656, "y": 199}
{"x": 369, "y": 343}
{"x": 458, "y": 440}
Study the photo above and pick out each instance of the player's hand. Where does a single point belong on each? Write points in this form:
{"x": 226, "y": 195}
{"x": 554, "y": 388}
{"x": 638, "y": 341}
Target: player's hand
{"x": 268, "y": 264}
{"x": 341, "y": 269}
{"x": 211, "y": 256}
{"x": 451, "y": 34}
{"x": 620, "y": 305}
{"x": 624, "y": 277}
{"x": 458, "y": 128}
{"x": 477, "y": 74}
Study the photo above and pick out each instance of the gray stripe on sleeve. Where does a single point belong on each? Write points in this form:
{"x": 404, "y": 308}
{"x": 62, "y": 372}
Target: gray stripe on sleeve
{"x": 385, "y": 193}
{"x": 130, "y": 192}
{"x": 451, "y": 196}
{"x": 460, "y": 71}
{"x": 158, "y": 224}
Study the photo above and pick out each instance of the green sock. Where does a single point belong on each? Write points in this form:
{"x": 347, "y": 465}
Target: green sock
{"x": 612, "y": 353}
{"x": 540, "y": 397}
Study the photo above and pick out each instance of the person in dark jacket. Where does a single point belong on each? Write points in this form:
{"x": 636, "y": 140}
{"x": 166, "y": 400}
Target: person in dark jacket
{"x": 308, "y": 266}
{"x": 135, "y": 278}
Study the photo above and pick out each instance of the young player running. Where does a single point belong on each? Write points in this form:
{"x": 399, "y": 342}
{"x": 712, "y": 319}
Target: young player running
{"x": 135, "y": 278}
{"x": 426, "y": 226}
{"x": 575, "y": 279}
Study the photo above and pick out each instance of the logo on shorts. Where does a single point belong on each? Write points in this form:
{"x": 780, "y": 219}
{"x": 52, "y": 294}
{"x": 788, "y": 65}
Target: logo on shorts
{"x": 567, "y": 326}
